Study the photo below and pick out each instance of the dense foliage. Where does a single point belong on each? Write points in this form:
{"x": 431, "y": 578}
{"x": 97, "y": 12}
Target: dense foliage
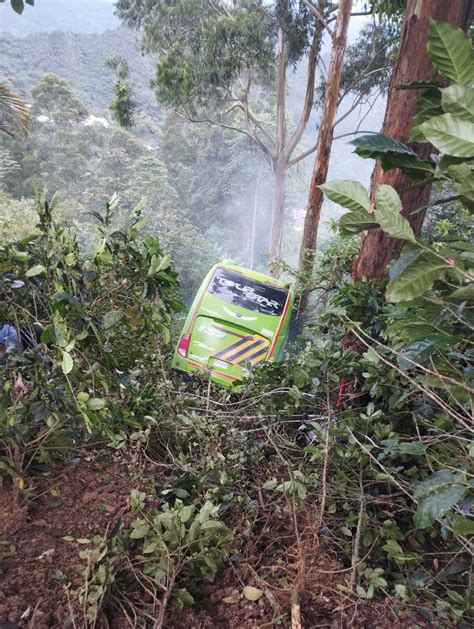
{"x": 84, "y": 372}
{"x": 92, "y": 161}
{"x": 418, "y": 346}
{"x": 80, "y": 59}
{"x": 357, "y": 447}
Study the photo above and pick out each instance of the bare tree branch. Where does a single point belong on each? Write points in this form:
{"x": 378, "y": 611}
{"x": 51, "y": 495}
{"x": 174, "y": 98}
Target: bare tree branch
{"x": 302, "y": 155}
{"x": 245, "y": 106}
{"x": 318, "y": 16}
{"x": 357, "y": 101}
{"x": 256, "y": 139}
{"x": 361, "y": 13}
{"x": 231, "y": 109}
{"x": 356, "y": 14}
{"x": 260, "y": 127}
{"x": 217, "y": 123}
{"x": 360, "y": 101}
{"x": 345, "y": 135}
{"x": 309, "y": 96}
{"x": 361, "y": 77}
{"x": 378, "y": 93}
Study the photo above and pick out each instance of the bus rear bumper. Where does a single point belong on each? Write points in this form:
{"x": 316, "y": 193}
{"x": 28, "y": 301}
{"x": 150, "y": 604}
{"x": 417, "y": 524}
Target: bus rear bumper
{"x": 229, "y": 381}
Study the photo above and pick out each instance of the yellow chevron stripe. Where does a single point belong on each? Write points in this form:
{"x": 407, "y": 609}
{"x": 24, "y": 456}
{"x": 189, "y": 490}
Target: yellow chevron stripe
{"x": 255, "y": 350}
{"x": 228, "y": 355}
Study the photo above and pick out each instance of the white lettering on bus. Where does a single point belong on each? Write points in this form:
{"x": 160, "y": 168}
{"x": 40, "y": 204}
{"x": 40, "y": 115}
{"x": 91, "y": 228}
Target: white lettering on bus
{"x": 211, "y": 331}
{"x": 249, "y": 293}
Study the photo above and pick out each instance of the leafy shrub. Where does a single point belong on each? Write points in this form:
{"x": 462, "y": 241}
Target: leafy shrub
{"x": 104, "y": 325}
{"x": 168, "y": 551}
{"x": 413, "y": 439}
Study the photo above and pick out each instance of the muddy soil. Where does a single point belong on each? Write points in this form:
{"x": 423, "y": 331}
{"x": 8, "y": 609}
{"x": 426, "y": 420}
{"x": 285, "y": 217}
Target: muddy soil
{"x": 88, "y": 497}
{"x": 79, "y": 500}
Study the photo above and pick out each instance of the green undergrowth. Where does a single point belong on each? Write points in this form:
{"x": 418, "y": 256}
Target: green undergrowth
{"x": 91, "y": 330}
{"x": 166, "y": 554}
{"x": 380, "y": 466}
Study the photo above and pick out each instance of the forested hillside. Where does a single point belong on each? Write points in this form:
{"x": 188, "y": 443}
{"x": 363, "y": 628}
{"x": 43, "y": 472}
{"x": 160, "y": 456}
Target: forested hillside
{"x": 73, "y": 16}
{"x": 236, "y": 314}
{"x": 67, "y": 48}
{"x": 80, "y": 59}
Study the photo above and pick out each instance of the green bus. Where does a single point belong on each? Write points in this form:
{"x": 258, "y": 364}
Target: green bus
{"x": 238, "y": 319}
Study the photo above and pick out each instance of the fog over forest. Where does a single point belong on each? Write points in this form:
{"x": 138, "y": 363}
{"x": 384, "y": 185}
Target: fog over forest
{"x": 74, "y": 39}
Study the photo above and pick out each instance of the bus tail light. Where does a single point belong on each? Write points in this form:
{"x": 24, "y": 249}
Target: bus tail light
{"x": 183, "y": 345}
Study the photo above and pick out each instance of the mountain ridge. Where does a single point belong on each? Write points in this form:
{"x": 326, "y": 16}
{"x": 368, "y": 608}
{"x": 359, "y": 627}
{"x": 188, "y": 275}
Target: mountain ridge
{"x": 50, "y": 15}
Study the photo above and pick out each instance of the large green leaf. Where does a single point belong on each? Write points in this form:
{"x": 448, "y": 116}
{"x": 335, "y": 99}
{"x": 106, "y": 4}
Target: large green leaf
{"x": 355, "y": 222}
{"x": 140, "y": 529}
{"x": 406, "y": 258}
{"x": 67, "y": 363}
{"x": 392, "y": 154}
{"x": 377, "y": 144}
{"x": 412, "y": 447}
{"x": 450, "y": 135}
{"x": 35, "y": 270}
{"x": 96, "y": 404}
{"x": 447, "y": 161}
{"x": 464, "y": 293}
{"x": 17, "y": 6}
{"x": 463, "y": 526}
{"x": 348, "y": 193}
{"x": 386, "y": 198}
{"x": 421, "y": 350}
{"x": 458, "y": 100}
{"x": 451, "y": 53}
{"x": 437, "y": 495}
{"x": 184, "y": 596}
{"x": 460, "y": 172}
{"x": 461, "y": 245}
{"x": 412, "y": 166}
{"x": 111, "y": 318}
{"x": 466, "y": 188}
{"x": 428, "y": 106}
{"x": 388, "y": 207}
{"x": 416, "y": 279}
{"x": 395, "y": 225}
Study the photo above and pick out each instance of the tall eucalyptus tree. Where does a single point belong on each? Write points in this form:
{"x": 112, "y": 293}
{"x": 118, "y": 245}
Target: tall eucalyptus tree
{"x": 219, "y": 61}
{"x": 413, "y": 64}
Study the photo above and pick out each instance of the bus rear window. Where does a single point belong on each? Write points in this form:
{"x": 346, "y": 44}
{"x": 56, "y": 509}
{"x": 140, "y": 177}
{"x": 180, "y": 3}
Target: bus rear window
{"x": 247, "y": 293}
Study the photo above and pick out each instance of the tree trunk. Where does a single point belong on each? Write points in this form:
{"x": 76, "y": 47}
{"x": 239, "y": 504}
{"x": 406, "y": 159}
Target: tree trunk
{"x": 280, "y": 163}
{"x": 253, "y": 233}
{"x": 321, "y": 164}
{"x": 280, "y": 170}
{"x": 413, "y": 64}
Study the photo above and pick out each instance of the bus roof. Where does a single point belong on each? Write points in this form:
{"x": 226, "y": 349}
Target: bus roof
{"x": 255, "y": 275}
